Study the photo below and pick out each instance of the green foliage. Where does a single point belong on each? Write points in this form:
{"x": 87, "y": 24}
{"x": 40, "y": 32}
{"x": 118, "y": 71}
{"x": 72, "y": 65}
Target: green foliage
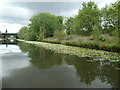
{"x": 70, "y": 25}
{"x": 44, "y": 24}
{"x": 31, "y": 35}
{"x": 94, "y": 25}
{"x": 115, "y": 33}
{"x": 83, "y": 44}
{"x": 60, "y": 23}
{"x": 88, "y": 17}
{"x": 101, "y": 38}
{"x": 59, "y": 34}
{"x": 95, "y": 45}
{"x": 22, "y": 32}
{"x": 110, "y": 17}
{"x": 72, "y": 43}
{"x": 52, "y": 41}
{"x": 96, "y": 33}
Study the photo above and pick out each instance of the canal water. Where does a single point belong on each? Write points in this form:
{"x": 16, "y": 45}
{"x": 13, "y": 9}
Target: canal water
{"x": 30, "y": 66}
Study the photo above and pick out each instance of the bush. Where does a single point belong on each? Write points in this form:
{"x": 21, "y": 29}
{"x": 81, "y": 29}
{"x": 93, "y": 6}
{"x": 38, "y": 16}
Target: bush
{"x": 60, "y": 34}
{"x": 82, "y": 33}
{"x": 113, "y": 47}
{"x": 91, "y": 38}
{"x": 72, "y": 43}
{"x": 96, "y": 33}
{"x": 101, "y": 38}
{"x": 83, "y": 44}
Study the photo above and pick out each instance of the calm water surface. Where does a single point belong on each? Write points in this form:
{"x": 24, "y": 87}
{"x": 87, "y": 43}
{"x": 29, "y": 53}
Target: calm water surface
{"x": 30, "y": 66}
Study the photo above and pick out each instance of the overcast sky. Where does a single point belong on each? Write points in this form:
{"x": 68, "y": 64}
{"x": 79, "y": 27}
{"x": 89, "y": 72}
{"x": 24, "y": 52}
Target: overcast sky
{"x": 14, "y": 15}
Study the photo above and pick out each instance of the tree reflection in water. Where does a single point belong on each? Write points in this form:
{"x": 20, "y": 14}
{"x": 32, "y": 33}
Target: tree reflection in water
{"x": 87, "y": 72}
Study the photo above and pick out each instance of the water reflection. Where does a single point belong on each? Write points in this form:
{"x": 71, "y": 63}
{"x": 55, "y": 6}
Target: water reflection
{"x": 12, "y": 59}
{"x": 1, "y": 52}
{"x": 9, "y": 42}
{"x": 92, "y": 74}
{"x": 0, "y": 70}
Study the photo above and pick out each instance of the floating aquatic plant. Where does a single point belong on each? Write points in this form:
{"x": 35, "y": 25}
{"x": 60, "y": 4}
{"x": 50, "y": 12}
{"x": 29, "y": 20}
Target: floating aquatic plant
{"x": 96, "y": 55}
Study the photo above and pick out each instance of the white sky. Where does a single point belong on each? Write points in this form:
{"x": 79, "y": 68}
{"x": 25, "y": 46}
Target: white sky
{"x": 14, "y": 17}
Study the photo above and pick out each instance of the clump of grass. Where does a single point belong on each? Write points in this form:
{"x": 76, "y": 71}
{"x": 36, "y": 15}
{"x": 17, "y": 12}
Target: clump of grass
{"x": 73, "y": 43}
{"x": 94, "y": 45}
{"x": 101, "y": 38}
{"x": 54, "y": 41}
{"x": 83, "y": 44}
{"x": 113, "y": 47}
{"x": 91, "y": 38}
{"x": 59, "y": 34}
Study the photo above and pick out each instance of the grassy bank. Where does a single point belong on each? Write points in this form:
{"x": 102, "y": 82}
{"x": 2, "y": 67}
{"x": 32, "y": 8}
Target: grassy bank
{"x": 95, "y": 55}
{"x": 104, "y": 42}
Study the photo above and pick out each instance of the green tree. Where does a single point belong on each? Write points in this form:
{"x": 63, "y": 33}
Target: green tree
{"x": 70, "y": 23}
{"x": 31, "y": 35}
{"x": 110, "y": 18}
{"x": 22, "y": 33}
{"x": 60, "y": 23}
{"x": 88, "y": 18}
{"x": 44, "y": 24}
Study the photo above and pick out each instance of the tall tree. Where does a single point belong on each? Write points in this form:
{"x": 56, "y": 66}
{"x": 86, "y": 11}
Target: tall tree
{"x": 110, "y": 18}
{"x": 22, "y": 33}
{"x": 88, "y": 17}
{"x": 70, "y": 25}
{"x": 44, "y": 25}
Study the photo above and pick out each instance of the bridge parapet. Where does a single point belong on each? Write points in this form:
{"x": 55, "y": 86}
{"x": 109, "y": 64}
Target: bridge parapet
{"x": 9, "y": 34}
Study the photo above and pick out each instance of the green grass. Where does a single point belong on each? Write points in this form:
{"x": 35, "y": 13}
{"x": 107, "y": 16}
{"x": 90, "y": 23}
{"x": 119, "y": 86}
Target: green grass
{"x": 95, "y": 45}
{"x": 103, "y": 42}
{"x": 48, "y": 41}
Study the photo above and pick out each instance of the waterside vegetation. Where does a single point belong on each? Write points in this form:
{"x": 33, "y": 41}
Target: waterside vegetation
{"x": 91, "y": 28}
{"x": 93, "y": 55}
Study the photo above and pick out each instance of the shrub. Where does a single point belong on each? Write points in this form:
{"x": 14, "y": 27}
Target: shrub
{"x": 96, "y": 33}
{"x": 113, "y": 47}
{"x": 101, "y": 38}
{"x": 91, "y": 38}
{"x": 83, "y": 44}
{"x": 60, "y": 34}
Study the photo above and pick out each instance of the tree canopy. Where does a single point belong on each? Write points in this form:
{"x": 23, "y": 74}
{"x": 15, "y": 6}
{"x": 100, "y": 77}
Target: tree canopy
{"x": 89, "y": 20}
{"x": 42, "y": 25}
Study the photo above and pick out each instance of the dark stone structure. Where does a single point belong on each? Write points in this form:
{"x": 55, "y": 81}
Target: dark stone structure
{"x": 9, "y": 34}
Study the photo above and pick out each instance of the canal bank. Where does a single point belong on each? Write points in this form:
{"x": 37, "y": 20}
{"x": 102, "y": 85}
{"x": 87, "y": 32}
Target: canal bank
{"x": 91, "y": 44}
{"x": 77, "y": 51}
